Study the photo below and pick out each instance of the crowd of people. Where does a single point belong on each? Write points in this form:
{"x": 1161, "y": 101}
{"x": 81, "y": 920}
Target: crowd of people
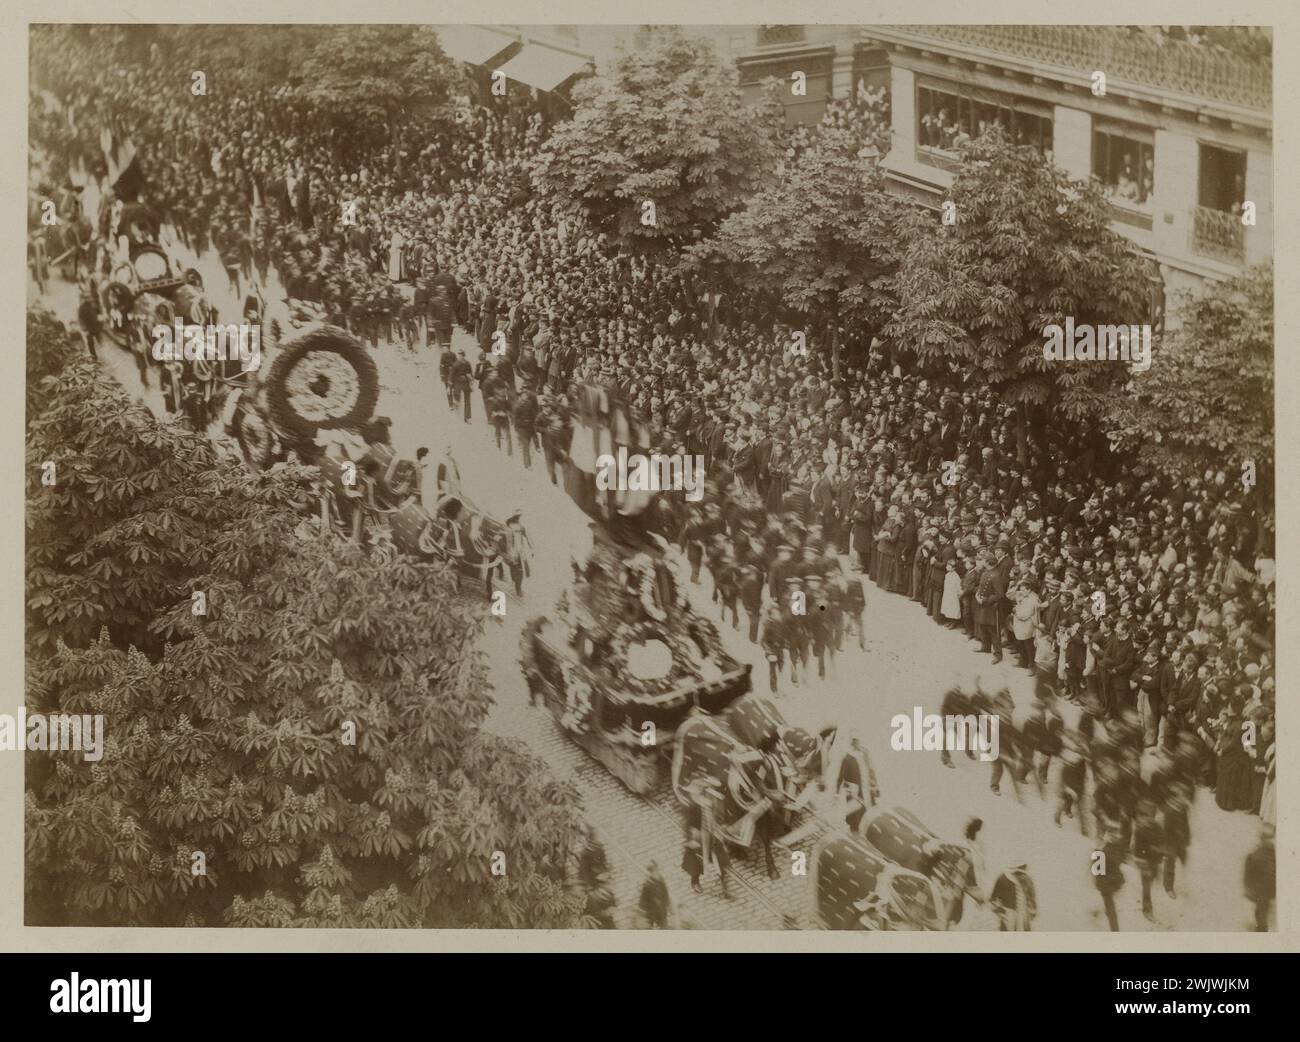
{"x": 1146, "y": 599}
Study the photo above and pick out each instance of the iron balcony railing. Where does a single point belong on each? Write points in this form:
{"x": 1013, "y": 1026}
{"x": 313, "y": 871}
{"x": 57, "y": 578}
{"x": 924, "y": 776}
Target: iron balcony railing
{"x": 1175, "y": 65}
{"x": 1218, "y": 235}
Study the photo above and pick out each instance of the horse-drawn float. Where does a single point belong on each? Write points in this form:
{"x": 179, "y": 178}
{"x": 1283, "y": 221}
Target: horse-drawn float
{"x": 623, "y": 661}
{"x": 314, "y": 397}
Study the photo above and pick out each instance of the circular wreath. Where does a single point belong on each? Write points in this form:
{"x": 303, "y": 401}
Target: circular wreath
{"x": 685, "y": 656}
{"x": 324, "y": 380}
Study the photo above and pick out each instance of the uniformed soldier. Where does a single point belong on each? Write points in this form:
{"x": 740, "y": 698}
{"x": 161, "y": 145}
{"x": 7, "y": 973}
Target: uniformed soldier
{"x": 695, "y": 535}
{"x": 750, "y": 583}
{"x": 555, "y": 428}
{"x": 782, "y": 568}
{"x": 955, "y": 704}
{"x": 499, "y": 406}
{"x": 1148, "y": 849}
{"x": 727, "y": 580}
{"x": 716, "y": 552}
{"x": 819, "y": 621}
{"x": 795, "y": 620}
{"x": 461, "y": 376}
{"x": 1013, "y": 899}
{"x": 525, "y": 418}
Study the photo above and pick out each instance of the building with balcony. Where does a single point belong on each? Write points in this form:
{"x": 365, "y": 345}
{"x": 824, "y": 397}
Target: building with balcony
{"x": 1181, "y": 136}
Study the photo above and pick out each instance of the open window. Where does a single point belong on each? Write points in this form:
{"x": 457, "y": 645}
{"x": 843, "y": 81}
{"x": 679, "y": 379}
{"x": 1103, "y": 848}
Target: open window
{"x": 1123, "y": 160}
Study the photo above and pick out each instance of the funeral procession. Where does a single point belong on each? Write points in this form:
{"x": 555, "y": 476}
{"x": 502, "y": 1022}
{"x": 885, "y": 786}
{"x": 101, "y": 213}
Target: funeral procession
{"x": 650, "y": 477}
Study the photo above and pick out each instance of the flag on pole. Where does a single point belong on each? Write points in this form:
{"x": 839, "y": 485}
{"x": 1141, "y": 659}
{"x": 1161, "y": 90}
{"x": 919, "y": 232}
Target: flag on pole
{"x": 125, "y": 176}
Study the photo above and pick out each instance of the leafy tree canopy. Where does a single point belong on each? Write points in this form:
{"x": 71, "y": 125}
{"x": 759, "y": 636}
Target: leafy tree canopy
{"x": 1208, "y": 398}
{"x": 668, "y": 126}
{"x": 315, "y": 733}
{"x": 377, "y": 74}
{"x": 823, "y": 240}
{"x": 1027, "y": 247}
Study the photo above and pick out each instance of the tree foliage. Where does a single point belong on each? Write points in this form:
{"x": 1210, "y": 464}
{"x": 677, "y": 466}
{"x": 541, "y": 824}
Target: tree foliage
{"x": 372, "y": 77}
{"x": 1209, "y": 397}
{"x": 1029, "y": 247}
{"x": 823, "y": 240}
{"x": 316, "y": 735}
{"x": 665, "y": 125}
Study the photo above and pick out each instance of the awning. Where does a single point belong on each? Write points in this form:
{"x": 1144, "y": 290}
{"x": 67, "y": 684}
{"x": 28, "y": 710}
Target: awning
{"x": 543, "y": 67}
{"x": 473, "y": 44}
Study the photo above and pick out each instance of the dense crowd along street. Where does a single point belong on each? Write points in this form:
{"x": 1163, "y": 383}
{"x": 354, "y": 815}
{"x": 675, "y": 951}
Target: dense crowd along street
{"x": 868, "y": 532}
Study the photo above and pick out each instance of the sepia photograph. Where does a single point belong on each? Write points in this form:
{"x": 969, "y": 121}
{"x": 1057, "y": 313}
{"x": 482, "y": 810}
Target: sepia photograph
{"x": 648, "y": 477}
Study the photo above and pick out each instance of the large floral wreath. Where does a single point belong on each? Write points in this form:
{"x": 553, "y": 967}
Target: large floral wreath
{"x": 685, "y": 656}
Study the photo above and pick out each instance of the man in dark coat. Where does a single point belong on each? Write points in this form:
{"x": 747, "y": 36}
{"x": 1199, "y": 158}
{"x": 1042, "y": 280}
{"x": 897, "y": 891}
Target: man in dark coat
{"x": 525, "y": 418}
{"x": 750, "y": 583}
{"x": 845, "y": 492}
{"x": 498, "y": 406}
{"x": 461, "y": 375}
{"x": 773, "y": 643}
{"x": 1148, "y": 850}
{"x": 439, "y": 313}
{"x": 445, "y": 366}
{"x": 989, "y": 595}
{"x": 485, "y": 375}
{"x": 860, "y": 528}
{"x": 955, "y": 704}
{"x": 906, "y": 550}
{"x": 556, "y": 430}
{"x": 1010, "y": 748}
{"x": 822, "y": 495}
{"x": 782, "y": 568}
{"x": 655, "y": 904}
{"x": 1261, "y": 877}
{"x": 1119, "y": 661}
{"x": 941, "y": 553}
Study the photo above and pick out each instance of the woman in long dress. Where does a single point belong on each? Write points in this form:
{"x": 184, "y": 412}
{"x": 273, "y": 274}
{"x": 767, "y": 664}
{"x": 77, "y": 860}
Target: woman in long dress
{"x": 395, "y": 245}
{"x": 1236, "y": 771}
{"x": 887, "y": 543}
{"x": 950, "y": 608}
